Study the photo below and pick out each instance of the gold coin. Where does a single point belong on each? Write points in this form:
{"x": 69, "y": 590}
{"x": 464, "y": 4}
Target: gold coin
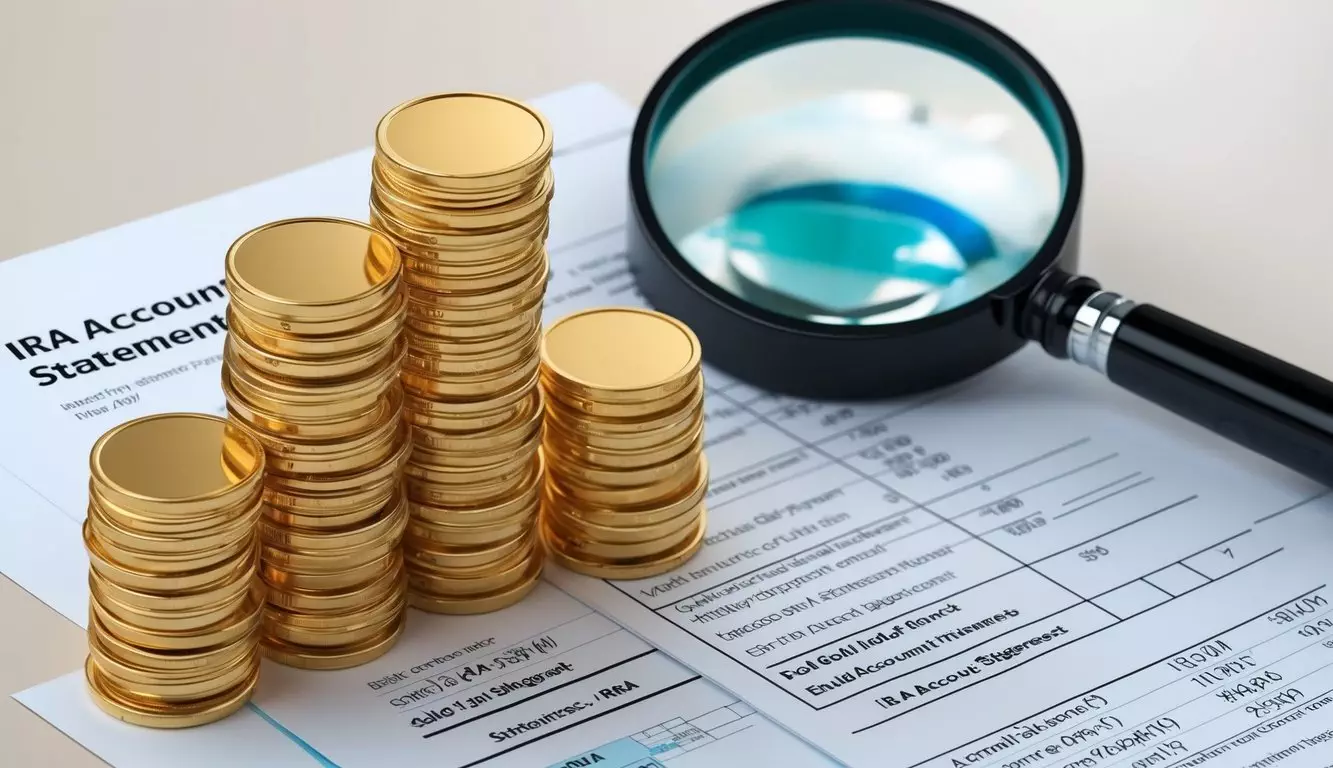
{"x": 171, "y": 565}
{"x": 334, "y": 658}
{"x": 570, "y": 558}
{"x": 352, "y": 635}
{"x": 676, "y": 469}
{"x": 465, "y": 248}
{"x": 426, "y": 344}
{"x": 317, "y": 426}
{"x": 439, "y": 386}
{"x": 230, "y": 589}
{"x": 176, "y": 621}
{"x": 483, "y": 363}
{"x": 614, "y": 526}
{"x": 471, "y": 494}
{"x": 132, "y": 578}
{"x": 289, "y": 446}
{"x": 338, "y": 601}
{"x": 313, "y": 369}
{"x": 618, "y": 544}
{"x": 138, "y": 712}
{"x": 331, "y": 562}
{"x": 359, "y": 453}
{"x": 576, "y": 406}
{"x": 133, "y": 683}
{"x": 421, "y": 467}
{"x": 313, "y": 269}
{"x": 177, "y": 525}
{"x": 617, "y": 497}
{"x": 284, "y": 578}
{"x": 591, "y": 427}
{"x": 348, "y": 482}
{"x": 130, "y": 676}
{"x": 583, "y": 454}
{"x": 169, "y": 663}
{"x": 621, "y": 355}
{"x": 477, "y": 307}
{"x": 361, "y": 501}
{"x": 473, "y": 304}
{"x": 476, "y": 270}
{"x": 484, "y": 603}
{"x": 176, "y": 464}
{"x": 340, "y": 629}
{"x": 424, "y": 213}
{"x": 518, "y": 322}
{"x": 385, "y": 526}
{"x": 393, "y": 604}
{"x": 377, "y": 330}
{"x": 382, "y": 178}
{"x": 505, "y": 267}
{"x": 522, "y": 449}
{"x": 426, "y": 555}
{"x": 630, "y": 515}
{"x": 623, "y": 441}
{"x": 427, "y": 415}
{"x": 529, "y": 541}
{"x": 465, "y": 141}
{"x": 115, "y": 535}
{"x": 324, "y": 400}
{"x": 521, "y": 427}
{"x": 322, "y": 521}
{"x": 478, "y": 515}
{"x": 440, "y": 585}
{"x": 451, "y": 250}
{"x": 479, "y": 535}
{"x": 237, "y": 625}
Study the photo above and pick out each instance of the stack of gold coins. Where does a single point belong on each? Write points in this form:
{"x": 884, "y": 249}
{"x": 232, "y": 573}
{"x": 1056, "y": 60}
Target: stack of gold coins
{"x": 310, "y": 367}
{"x": 175, "y": 595}
{"x": 463, "y": 184}
{"x": 625, "y": 470}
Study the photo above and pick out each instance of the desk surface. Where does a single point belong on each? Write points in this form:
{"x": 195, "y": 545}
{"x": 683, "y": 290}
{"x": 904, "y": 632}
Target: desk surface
{"x": 1205, "y": 122}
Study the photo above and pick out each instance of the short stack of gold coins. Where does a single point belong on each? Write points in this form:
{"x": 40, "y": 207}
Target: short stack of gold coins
{"x": 463, "y": 184}
{"x": 626, "y": 473}
{"x": 175, "y": 595}
{"x": 310, "y": 367}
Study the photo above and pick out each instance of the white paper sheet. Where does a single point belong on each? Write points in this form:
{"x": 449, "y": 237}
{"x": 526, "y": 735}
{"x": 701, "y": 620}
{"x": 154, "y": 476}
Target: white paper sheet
{"x": 1030, "y": 568}
{"x": 547, "y": 682}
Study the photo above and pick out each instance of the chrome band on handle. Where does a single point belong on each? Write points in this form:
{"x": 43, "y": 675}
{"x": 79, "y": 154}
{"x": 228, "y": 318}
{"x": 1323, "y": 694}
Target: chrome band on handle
{"x": 1094, "y": 328}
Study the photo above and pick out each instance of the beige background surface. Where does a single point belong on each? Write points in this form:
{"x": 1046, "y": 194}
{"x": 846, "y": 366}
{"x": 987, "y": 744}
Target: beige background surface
{"x": 1208, "y": 127}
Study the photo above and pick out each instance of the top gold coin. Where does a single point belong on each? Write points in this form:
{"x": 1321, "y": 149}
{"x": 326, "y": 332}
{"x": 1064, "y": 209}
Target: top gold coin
{"x": 616, "y": 354}
{"x": 313, "y": 269}
{"x": 465, "y": 141}
{"x": 177, "y": 464}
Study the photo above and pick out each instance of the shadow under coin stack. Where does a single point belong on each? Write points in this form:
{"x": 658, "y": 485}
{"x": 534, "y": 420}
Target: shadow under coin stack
{"x": 625, "y": 470}
{"x": 463, "y": 183}
{"x": 175, "y": 595}
{"x": 310, "y": 367}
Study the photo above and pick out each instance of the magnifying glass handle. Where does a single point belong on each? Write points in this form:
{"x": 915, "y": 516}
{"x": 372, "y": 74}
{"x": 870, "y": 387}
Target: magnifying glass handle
{"x": 1252, "y": 398}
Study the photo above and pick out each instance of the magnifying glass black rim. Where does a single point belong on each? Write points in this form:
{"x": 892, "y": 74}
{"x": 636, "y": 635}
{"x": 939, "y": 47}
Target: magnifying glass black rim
{"x": 973, "y": 40}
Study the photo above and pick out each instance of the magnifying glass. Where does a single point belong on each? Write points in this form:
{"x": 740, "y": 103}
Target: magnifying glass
{"x": 870, "y": 198}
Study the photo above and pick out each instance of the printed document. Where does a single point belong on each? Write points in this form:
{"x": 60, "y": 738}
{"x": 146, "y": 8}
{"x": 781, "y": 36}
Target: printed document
{"x": 1028, "y": 568}
{"x": 548, "y": 682}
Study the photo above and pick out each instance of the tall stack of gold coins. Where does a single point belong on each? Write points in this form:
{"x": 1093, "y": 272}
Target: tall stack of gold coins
{"x": 310, "y": 367}
{"x": 625, "y": 469}
{"x": 175, "y": 594}
{"x": 463, "y": 184}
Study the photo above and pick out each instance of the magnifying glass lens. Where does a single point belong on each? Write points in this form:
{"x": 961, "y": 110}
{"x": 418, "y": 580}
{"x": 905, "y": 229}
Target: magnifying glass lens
{"x": 853, "y": 181}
